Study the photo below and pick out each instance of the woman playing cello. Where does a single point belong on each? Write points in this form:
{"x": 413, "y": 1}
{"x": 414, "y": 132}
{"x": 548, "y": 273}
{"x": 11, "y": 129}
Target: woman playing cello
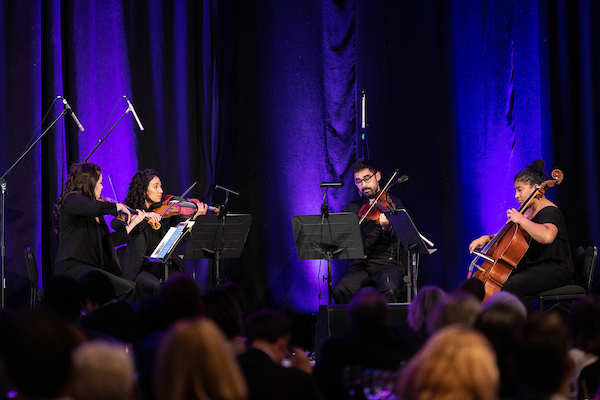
{"x": 547, "y": 262}
{"x": 145, "y": 192}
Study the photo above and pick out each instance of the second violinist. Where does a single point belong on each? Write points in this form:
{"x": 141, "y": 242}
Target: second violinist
{"x": 145, "y": 193}
{"x": 381, "y": 266}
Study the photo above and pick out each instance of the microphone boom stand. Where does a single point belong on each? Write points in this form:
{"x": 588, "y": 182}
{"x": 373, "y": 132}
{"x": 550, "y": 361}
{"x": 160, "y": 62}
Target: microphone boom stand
{"x": 3, "y": 187}
{"x": 103, "y": 138}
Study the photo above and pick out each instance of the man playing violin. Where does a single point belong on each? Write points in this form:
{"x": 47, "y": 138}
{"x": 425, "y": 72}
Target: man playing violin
{"x": 145, "y": 192}
{"x": 381, "y": 266}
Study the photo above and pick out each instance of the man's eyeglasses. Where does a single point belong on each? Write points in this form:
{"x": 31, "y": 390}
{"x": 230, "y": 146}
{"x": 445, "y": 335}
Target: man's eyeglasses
{"x": 366, "y": 179}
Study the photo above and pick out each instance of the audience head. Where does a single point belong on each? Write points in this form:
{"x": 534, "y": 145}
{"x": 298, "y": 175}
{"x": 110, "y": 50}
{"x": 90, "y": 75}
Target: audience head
{"x": 194, "y": 362}
{"x": 235, "y": 292}
{"x": 61, "y": 295}
{"x": 224, "y": 310}
{"x": 95, "y": 290}
{"x": 421, "y": 307}
{"x": 180, "y": 297}
{"x": 542, "y": 354}
{"x": 268, "y": 328}
{"x": 584, "y": 322}
{"x": 455, "y": 363}
{"x": 38, "y": 354}
{"x": 368, "y": 309}
{"x": 508, "y": 299}
{"x": 102, "y": 371}
{"x": 456, "y": 308}
{"x": 499, "y": 323}
{"x": 473, "y": 286}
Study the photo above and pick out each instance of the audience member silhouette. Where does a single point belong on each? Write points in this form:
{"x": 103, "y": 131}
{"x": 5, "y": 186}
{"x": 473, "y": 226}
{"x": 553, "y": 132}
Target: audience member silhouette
{"x": 584, "y": 322}
{"x": 102, "y": 371}
{"x": 543, "y": 361}
{"x": 499, "y": 322}
{"x": 456, "y": 308}
{"x": 508, "y": 299}
{"x": 372, "y": 344}
{"x": 455, "y": 363}
{"x": 224, "y": 308}
{"x": 7, "y": 318}
{"x": 179, "y": 297}
{"x": 61, "y": 295}
{"x": 268, "y": 339}
{"x": 473, "y": 286}
{"x": 38, "y": 354}
{"x": 195, "y": 363}
{"x": 103, "y": 313}
{"x": 421, "y": 307}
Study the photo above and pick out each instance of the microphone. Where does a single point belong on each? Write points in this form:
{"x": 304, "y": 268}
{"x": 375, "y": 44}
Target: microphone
{"x": 402, "y": 179}
{"x": 137, "y": 119}
{"x": 70, "y": 110}
{"x": 331, "y": 184}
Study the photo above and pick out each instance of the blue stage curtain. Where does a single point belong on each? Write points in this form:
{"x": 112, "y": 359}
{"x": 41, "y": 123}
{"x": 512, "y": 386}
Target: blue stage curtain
{"x": 263, "y": 97}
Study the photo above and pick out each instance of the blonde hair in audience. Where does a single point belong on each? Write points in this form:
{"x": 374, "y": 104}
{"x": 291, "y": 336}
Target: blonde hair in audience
{"x": 457, "y": 363}
{"x": 194, "y": 362}
{"x": 102, "y": 371}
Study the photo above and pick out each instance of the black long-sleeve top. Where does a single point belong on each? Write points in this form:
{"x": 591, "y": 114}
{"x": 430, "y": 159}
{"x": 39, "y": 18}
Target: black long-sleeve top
{"x": 83, "y": 239}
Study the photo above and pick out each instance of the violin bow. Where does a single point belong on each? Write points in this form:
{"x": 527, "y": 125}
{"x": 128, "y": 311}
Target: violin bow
{"x": 175, "y": 200}
{"x": 113, "y": 188}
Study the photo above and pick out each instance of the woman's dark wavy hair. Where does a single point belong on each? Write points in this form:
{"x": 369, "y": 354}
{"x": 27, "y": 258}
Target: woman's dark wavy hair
{"x": 81, "y": 180}
{"x": 138, "y": 187}
{"x": 533, "y": 173}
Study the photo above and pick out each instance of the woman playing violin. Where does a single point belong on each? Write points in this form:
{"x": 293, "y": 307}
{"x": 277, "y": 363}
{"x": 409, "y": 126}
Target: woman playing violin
{"x": 547, "y": 263}
{"x": 84, "y": 241}
{"x": 381, "y": 266}
{"x": 145, "y": 192}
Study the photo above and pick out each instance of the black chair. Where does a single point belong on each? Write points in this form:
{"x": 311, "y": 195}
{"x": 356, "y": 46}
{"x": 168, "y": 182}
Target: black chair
{"x": 563, "y": 296}
{"x": 33, "y": 273}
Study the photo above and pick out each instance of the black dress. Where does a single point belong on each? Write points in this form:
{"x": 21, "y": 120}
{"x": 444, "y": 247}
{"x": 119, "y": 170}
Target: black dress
{"x": 544, "y": 266}
{"x": 85, "y": 243}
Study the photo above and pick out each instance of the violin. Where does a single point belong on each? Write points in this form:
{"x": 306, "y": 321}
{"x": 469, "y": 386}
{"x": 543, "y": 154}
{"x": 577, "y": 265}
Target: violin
{"x": 372, "y": 210}
{"x": 123, "y": 217}
{"x": 185, "y": 209}
{"x": 381, "y": 203}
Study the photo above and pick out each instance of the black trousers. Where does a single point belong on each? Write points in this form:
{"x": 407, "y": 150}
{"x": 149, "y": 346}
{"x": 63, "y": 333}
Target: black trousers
{"x": 384, "y": 274}
{"x": 124, "y": 289}
{"x": 527, "y": 283}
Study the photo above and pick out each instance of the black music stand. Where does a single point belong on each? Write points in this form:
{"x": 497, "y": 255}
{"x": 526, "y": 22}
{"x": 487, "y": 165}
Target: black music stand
{"x": 164, "y": 251}
{"x": 414, "y": 242}
{"x": 325, "y": 238}
{"x": 217, "y": 237}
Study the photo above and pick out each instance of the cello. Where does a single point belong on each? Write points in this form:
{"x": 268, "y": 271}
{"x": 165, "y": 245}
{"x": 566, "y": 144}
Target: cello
{"x": 502, "y": 254}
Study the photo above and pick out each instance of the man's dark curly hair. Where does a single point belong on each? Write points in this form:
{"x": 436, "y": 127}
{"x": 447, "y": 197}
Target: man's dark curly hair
{"x": 81, "y": 180}
{"x": 138, "y": 187}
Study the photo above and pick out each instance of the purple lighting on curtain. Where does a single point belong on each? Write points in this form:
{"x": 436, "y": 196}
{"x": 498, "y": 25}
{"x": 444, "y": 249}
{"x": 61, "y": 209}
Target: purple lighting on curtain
{"x": 498, "y": 95}
{"x": 102, "y": 78}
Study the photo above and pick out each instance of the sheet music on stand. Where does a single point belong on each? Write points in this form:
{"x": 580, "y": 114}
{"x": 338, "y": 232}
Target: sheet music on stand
{"x": 168, "y": 243}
